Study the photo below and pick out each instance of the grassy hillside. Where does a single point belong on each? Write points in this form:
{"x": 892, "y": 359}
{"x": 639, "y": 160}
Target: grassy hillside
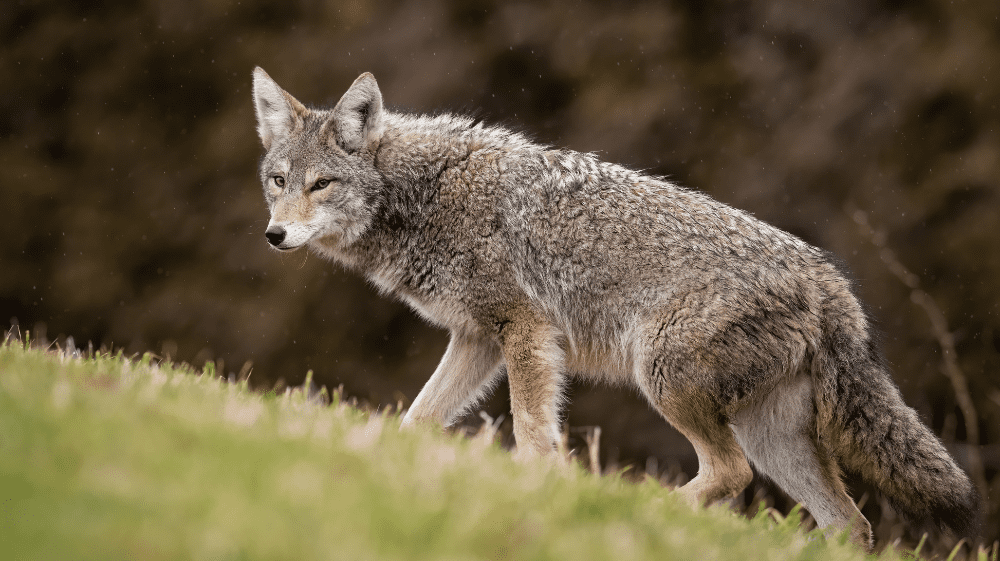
{"x": 110, "y": 458}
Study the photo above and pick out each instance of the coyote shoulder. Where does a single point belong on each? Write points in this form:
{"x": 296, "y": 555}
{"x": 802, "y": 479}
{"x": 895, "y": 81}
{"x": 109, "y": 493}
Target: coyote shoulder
{"x": 546, "y": 263}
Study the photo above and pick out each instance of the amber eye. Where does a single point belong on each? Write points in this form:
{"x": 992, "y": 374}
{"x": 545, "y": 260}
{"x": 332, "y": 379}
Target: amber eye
{"x": 321, "y": 184}
{"x": 279, "y": 181}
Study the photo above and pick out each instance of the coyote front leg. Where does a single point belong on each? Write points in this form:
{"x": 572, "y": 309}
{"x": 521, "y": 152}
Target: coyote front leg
{"x": 463, "y": 375}
{"x": 535, "y": 364}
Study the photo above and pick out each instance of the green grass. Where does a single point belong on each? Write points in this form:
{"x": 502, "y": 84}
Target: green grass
{"x": 110, "y": 458}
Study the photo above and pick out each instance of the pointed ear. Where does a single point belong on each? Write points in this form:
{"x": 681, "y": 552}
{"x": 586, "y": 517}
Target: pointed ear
{"x": 278, "y": 113}
{"x": 357, "y": 118}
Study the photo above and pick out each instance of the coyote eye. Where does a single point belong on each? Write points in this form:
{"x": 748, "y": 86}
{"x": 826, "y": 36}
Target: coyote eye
{"x": 321, "y": 184}
{"x": 279, "y": 181}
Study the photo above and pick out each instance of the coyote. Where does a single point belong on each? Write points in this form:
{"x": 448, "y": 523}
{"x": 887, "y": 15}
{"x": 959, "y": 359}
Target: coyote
{"x": 544, "y": 263}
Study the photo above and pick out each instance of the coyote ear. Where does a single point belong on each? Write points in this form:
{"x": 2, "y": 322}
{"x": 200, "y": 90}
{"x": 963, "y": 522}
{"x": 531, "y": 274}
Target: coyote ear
{"x": 357, "y": 117}
{"x": 278, "y": 113}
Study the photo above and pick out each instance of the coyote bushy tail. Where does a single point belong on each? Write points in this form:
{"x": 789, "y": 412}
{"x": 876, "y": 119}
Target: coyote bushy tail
{"x": 872, "y": 432}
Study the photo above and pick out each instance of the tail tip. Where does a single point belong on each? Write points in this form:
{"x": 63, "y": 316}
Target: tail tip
{"x": 961, "y": 515}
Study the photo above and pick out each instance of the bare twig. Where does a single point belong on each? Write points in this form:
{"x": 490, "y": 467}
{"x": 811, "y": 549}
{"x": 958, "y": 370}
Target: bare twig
{"x": 488, "y": 431}
{"x": 939, "y": 325}
{"x": 594, "y": 449}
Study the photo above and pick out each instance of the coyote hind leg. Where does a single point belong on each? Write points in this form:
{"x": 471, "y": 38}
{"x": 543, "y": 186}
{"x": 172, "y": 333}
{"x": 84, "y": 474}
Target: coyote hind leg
{"x": 671, "y": 384}
{"x": 778, "y": 435}
{"x": 723, "y": 470}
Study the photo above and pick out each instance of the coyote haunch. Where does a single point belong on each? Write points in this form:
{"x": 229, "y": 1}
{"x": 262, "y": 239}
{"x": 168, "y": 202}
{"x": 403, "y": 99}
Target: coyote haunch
{"x": 546, "y": 263}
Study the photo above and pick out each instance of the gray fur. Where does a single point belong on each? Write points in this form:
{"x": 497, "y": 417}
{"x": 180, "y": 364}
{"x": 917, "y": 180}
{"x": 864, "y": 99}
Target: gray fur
{"x": 550, "y": 263}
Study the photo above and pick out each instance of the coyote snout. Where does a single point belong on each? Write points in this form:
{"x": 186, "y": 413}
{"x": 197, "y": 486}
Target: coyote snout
{"x": 275, "y": 235}
{"x": 288, "y": 236}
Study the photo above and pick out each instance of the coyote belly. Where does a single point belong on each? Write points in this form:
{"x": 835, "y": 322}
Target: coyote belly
{"x": 547, "y": 263}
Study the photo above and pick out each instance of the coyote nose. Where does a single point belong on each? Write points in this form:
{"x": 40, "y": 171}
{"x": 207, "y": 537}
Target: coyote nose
{"x": 275, "y": 235}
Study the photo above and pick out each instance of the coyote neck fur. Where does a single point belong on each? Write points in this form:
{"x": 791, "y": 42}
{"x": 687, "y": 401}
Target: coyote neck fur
{"x": 421, "y": 161}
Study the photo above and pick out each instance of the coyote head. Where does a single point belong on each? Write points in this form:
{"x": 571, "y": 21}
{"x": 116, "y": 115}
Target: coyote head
{"x": 319, "y": 171}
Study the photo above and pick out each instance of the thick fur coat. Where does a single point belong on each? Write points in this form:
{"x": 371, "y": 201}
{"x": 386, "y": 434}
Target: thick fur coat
{"x": 545, "y": 263}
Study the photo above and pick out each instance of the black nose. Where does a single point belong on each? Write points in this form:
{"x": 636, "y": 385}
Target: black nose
{"x": 275, "y": 235}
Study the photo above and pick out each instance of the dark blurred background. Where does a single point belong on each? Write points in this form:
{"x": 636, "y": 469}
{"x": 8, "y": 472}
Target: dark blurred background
{"x": 131, "y": 215}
